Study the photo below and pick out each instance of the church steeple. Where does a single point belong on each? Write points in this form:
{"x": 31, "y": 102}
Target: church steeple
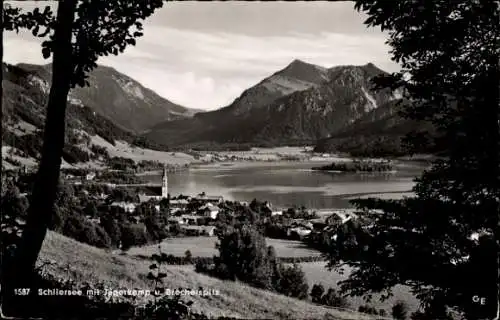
{"x": 164, "y": 184}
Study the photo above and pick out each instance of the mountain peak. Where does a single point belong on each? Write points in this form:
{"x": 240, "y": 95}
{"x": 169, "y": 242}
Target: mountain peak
{"x": 298, "y": 62}
{"x": 372, "y": 67}
{"x": 304, "y": 71}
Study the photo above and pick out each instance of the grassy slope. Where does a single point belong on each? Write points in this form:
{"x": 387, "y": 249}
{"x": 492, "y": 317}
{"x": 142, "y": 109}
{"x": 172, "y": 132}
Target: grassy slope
{"x": 94, "y": 265}
{"x": 125, "y": 150}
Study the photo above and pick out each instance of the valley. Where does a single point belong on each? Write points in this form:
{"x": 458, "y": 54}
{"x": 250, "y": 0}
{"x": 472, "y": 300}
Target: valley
{"x": 262, "y": 147}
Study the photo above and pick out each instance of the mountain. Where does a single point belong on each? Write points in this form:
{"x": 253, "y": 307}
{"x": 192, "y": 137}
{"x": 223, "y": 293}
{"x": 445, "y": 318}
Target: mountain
{"x": 297, "y": 76}
{"x": 380, "y": 132}
{"x": 298, "y": 104}
{"x": 24, "y": 106}
{"x": 116, "y": 97}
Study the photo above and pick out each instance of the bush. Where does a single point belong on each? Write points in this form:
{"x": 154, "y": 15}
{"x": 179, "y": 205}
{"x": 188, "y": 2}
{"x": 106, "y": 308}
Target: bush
{"x": 188, "y": 256}
{"x": 73, "y": 154}
{"x": 368, "y": 309}
{"x": 333, "y": 299}
{"x": 76, "y": 227}
{"x": 292, "y": 282}
{"x": 400, "y": 310}
{"x": 133, "y": 235}
{"x": 317, "y": 292}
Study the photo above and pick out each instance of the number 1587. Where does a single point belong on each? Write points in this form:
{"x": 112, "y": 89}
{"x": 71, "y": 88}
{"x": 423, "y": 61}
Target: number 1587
{"x": 22, "y": 291}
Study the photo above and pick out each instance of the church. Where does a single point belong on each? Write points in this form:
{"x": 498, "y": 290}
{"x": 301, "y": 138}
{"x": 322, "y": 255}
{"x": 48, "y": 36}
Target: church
{"x": 155, "y": 193}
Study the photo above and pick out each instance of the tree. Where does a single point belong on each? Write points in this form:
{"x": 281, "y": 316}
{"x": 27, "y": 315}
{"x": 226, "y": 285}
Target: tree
{"x": 333, "y": 299}
{"x": 188, "y": 256}
{"x": 112, "y": 228}
{"x": 244, "y": 254}
{"x": 399, "y": 310}
{"x": 91, "y": 209}
{"x": 317, "y": 292}
{"x": 292, "y": 282}
{"x": 448, "y": 51}
{"x": 83, "y": 31}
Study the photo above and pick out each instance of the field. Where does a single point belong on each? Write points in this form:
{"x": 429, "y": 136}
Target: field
{"x": 83, "y": 263}
{"x": 123, "y": 149}
{"x": 205, "y": 247}
{"x": 317, "y": 273}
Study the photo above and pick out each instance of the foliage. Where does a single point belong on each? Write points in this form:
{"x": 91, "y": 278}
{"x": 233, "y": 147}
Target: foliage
{"x": 244, "y": 256}
{"x": 356, "y": 166}
{"x": 368, "y": 309}
{"x": 188, "y": 256}
{"x": 133, "y": 235}
{"x": 155, "y": 221}
{"x": 73, "y": 154}
{"x": 123, "y": 194}
{"x": 292, "y": 281}
{"x": 317, "y": 292}
{"x": 399, "y": 310}
{"x": 244, "y": 252}
{"x": 165, "y": 306}
{"x": 120, "y": 163}
{"x": 29, "y": 144}
{"x": 366, "y": 146}
{"x": 333, "y": 299}
{"x": 113, "y": 229}
{"x": 434, "y": 242}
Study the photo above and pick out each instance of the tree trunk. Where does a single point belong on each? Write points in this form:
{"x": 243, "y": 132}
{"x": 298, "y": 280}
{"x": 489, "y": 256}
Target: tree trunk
{"x": 1, "y": 73}
{"x": 21, "y": 272}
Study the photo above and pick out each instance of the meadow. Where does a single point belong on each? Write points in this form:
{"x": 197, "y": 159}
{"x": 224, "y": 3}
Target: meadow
{"x": 316, "y": 272}
{"x": 70, "y": 259}
{"x": 205, "y": 247}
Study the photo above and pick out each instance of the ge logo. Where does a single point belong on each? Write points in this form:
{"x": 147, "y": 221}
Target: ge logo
{"x": 478, "y": 299}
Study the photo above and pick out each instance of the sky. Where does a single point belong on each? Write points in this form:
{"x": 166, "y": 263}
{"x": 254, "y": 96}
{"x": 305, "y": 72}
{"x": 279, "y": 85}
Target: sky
{"x": 205, "y": 54}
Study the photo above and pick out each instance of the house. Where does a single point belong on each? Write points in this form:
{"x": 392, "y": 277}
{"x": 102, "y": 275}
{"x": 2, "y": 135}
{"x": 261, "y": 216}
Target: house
{"x": 90, "y": 176}
{"x": 191, "y": 219}
{"x": 101, "y": 196}
{"x": 209, "y": 199}
{"x": 301, "y": 231}
{"x": 302, "y": 223}
{"x": 178, "y": 203}
{"x": 175, "y": 210}
{"x": 143, "y": 197}
{"x": 210, "y": 211}
{"x": 176, "y": 220}
{"x": 199, "y": 230}
{"x": 135, "y": 219}
{"x": 276, "y": 213}
{"x": 127, "y": 206}
{"x": 93, "y": 220}
{"x": 340, "y": 217}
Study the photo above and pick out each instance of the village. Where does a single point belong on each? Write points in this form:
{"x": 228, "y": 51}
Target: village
{"x": 199, "y": 215}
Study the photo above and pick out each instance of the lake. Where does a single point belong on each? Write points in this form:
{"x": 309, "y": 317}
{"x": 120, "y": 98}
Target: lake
{"x": 285, "y": 184}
